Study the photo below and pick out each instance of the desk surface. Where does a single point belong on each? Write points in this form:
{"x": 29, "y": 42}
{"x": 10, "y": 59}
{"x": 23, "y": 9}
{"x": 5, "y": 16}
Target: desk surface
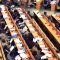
{"x": 50, "y": 28}
{"x": 57, "y": 17}
{"x": 36, "y": 34}
{"x": 10, "y": 26}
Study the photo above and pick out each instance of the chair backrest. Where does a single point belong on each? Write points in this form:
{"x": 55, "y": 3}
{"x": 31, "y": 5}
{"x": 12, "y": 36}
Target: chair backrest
{"x": 59, "y": 3}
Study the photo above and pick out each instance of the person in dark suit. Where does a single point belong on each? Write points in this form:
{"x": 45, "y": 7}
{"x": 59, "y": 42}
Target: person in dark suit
{"x": 46, "y": 4}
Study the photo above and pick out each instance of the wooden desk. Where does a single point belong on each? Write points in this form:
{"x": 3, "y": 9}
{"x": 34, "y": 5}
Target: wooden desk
{"x": 56, "y": 17}
{"x": 36, "y": 34}
{"x": 11, "y": 24}
{"x": 50, "y": 27}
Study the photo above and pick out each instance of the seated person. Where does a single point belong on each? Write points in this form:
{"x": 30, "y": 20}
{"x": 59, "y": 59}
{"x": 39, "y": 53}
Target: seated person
{"x": 15, "y": 2}
{"x": 58, "y": 6}
{"x": 13, "y": 14}
{"x": 20, "y": 23}
{"x": 9, "y": 57}
{"x": 50, "y": 18}
{"x": 6, "y": 50}
{"x": 46, "y": 4}
{"x": 16, "y": 13}
{"x": 59, "y": 3}
{"x": 14, "y": 52}
{"x": 1, "y": 16}
{"x": 28, "y": 37}
{"x": 24, "y": 30}
{"x": 45, "y": 13}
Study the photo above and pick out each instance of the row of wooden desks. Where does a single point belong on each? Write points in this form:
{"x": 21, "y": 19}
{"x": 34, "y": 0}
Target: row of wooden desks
{"x": 56, "y": 17}
{"x": 37, "y": 37}
{"x": 49, "y": 26}
{"x": 23, "y": 49}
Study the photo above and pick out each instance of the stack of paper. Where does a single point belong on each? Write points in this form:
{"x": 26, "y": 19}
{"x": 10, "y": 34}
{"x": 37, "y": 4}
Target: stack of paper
{"x": 10, "y": 26}
{"x": 37, "y": 39}
{"x": 2, "y": 7}
{"x": 5, "y": 16}
{"x": 21, "y": 51}
{"x": 17, "y": 57}
{"x": 26, "y": 21}
{"x": 24, "y": 55}
{"x": 17, "y": 41}
{"x": 42, "y": 46}
{"x": 29, "y": 24}
{"x": 32, "y": 29}
{"x": 19, "y": 45}
{"x": 46, "y": 56}
{"x": 45, "y": 48}
{"x": 12, "y": 29}
{"x": 12, "y": 47}
{"x": 45, "y": 51}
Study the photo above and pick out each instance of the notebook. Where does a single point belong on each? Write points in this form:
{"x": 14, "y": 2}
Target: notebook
{"x": 10, "y": 26}
{"x": 32, "y": 29}
{"x": 49, "y": 55}
{"x": 42, "y": 46}
{"x": 17, "y": 57}
{"x": 45, "y": 48}
{"x": 44, "y": 57}
{"x": 24, "y": 55}
{"x": 5, "y": 16}
{"x": 26, "y": 20}
{"x": 11, "y": 40}
{"x": 37, "y": 39}
{"x": 29, "y": 24}
{"x": 19, "y": 45}
{"x": 2, "y": 7}
{"x": 21, "y": 51}
{"x": 34, "y": 40}
{"x": 45, "y": 51}
{"x": 12, "y": 47}
{"x": 17, "y": 40}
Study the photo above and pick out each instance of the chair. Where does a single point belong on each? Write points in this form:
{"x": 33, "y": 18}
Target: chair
{"x": 46, "y": 4}
{"x": 58, "y": 6}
